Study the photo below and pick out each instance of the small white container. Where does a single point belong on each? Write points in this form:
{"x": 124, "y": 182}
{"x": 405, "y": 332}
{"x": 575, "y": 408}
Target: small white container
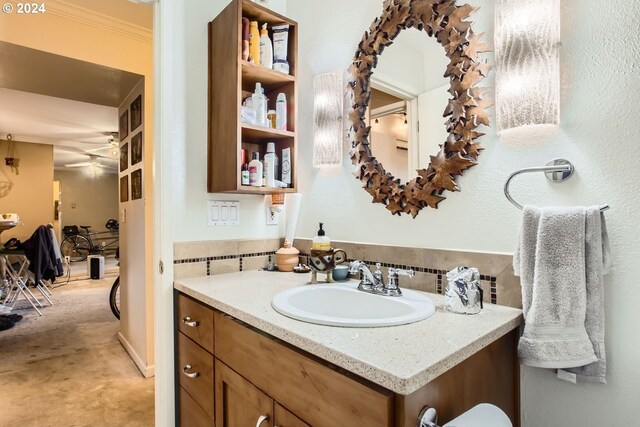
{"x": 270, "y": 165}
{"x": 281, "y": 112}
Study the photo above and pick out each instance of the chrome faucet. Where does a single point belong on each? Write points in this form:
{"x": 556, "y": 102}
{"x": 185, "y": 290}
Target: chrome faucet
{"x": 374, "y": 282}
{"x": 369, "y": 280}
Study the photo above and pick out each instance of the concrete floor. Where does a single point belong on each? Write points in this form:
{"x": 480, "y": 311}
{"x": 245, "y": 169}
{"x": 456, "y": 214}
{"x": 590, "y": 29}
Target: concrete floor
{"x": 67, "y": 367}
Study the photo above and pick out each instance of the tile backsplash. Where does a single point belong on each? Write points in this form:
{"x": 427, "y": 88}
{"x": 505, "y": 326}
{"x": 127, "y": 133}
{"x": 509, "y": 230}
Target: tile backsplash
{"x": 194, "y": 259}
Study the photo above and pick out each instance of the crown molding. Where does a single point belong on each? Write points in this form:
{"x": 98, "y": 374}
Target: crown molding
{"x": 98, "y": 20}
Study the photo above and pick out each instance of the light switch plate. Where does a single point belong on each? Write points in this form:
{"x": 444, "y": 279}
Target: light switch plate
{"x": 123, "y": 216}
{"x": 223, "y": 212}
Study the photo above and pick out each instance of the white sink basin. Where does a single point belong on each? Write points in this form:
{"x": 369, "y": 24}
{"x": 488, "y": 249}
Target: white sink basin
{"x": 344, "y": 305}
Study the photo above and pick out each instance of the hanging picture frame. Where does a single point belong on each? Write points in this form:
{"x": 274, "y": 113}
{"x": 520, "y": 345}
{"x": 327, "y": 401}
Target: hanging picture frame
{"x": 136, "y": 184}
{"x": 124, "y": 189}
{"x": 123, "y": 128}
{"x": 124, "y": 157}
{"x": 136, "y": 148}
{"x": 136, "y": 113}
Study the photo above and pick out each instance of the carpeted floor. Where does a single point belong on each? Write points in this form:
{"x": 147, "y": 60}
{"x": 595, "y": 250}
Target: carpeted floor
{"x": 67, "y": 368}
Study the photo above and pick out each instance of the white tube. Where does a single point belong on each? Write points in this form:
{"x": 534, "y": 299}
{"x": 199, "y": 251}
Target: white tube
{"x": 293, "y": 202}
{"x": 281, "y": 48}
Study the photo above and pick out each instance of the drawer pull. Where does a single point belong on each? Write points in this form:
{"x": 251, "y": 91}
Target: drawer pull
{"x": 190, "y": 374}
{"x": 262, "y": 419}
{"x": 190, "y": 322}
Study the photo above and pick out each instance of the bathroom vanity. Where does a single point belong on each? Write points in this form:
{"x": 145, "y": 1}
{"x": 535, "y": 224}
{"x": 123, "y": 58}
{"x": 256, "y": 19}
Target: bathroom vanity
{"x": 240, "y": 363}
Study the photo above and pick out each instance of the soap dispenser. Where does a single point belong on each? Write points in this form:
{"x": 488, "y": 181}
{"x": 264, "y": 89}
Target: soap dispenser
{"x": 321, "y": 242}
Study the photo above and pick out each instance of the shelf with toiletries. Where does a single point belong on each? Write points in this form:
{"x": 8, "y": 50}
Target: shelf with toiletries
{"x": 276, "y": 36}
{"x": 250, "y": 104}
{"x": 253, "y": 73}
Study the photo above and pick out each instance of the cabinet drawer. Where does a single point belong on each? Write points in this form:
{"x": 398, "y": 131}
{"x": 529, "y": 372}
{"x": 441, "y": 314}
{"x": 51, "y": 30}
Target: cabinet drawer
{"x": 195, "y": 372}
{"x": 191, "y": 414}
{"x": 319, "y": 394}
{"x": 195, "y": 321}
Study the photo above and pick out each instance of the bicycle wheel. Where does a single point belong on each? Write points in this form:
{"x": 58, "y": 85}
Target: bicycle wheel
{"x": 75, "y": 247}
{"x": 114, "y": 298}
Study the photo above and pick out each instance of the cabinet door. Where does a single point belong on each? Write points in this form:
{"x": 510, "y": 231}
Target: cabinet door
{"x": 238, "y": 402}
{"x": 284, "y": 418}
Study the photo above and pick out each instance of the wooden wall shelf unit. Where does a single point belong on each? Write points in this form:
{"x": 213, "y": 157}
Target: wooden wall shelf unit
{"x": 231, "y": 81}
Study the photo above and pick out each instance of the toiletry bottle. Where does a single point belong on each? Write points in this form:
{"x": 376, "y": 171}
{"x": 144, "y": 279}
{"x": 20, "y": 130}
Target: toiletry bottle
{"x": 270, "y": 165}
{"x": 266, "y": 48}
{"x": 281, "y": 48}
{"x": 254, "y": 43}
{"x": 271, "y": 118}
{"x": 264, "y": 173}
{"x": 244, "y": 174}
{"x": 321, "y": 242}
{"x": 260, "y": 106}
{"x": 245, "y": 39}
{"x": 255, "y": 171}
{"x": 281, "y": 112}
{"x": 286, "y": 166}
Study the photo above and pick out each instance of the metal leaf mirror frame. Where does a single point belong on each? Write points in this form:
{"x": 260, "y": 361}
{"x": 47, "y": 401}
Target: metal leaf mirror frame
{"x": 445, "y": 21}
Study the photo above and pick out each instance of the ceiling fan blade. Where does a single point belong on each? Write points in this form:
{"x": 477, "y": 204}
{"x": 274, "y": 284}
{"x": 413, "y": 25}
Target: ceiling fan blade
{"x": 94, "y": 150}
{"x": 77, "y": 165}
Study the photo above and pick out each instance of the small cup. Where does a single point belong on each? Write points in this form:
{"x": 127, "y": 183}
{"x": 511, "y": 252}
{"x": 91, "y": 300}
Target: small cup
{"x": 340, "y": 272}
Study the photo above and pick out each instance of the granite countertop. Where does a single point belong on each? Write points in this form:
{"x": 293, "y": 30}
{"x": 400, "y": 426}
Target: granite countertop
{"x": 399, "y": 358}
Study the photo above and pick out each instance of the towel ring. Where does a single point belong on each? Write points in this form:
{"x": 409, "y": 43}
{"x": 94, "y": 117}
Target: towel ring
{"x": 557, "y": 170}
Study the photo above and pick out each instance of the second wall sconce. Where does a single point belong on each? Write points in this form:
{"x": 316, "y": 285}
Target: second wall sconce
{"x": 327, "y": 120}
{"x": 527, "y": 42}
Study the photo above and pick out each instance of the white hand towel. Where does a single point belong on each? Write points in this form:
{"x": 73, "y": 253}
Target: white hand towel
{"x": 555, "y": 259}
{"x": 598, "y": 263}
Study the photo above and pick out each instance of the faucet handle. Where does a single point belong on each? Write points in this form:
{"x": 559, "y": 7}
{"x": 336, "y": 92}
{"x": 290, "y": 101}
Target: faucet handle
{"x": 401, "y": 272}
{"x": 378, "y": 274}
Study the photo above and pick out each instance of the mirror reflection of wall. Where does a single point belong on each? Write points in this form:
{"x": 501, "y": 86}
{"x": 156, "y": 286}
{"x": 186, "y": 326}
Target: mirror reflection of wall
{"x": 408, "y": 85}
{"x": 390, "y": 132}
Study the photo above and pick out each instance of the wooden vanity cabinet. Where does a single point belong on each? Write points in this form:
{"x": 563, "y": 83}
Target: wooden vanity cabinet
{"x": 250, "y": 374}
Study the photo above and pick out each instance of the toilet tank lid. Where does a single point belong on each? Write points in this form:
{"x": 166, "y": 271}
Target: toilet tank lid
{"x": 483, "y": 415}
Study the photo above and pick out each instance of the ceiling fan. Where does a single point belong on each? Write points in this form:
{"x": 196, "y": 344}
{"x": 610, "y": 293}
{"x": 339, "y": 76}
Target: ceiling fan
{"x": 112, "y": 146}
{"x": 93, "y": 160}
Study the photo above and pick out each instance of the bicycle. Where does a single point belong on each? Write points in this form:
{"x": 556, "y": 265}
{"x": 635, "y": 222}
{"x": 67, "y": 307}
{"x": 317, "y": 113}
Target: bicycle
{"x": 114, "y": 298}
{"x": 78, "y": 246}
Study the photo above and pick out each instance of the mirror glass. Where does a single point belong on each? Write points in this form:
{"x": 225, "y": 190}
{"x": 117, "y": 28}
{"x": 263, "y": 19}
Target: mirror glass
{"x": 408, "y": 97}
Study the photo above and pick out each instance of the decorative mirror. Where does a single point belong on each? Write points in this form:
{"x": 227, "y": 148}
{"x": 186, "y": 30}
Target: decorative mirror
{"x": 464, "y": 112}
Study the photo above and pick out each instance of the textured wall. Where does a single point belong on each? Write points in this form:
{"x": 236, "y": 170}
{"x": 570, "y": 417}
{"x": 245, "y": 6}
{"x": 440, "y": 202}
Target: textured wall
{"x": 96, "y": 199}
{"x": 599, "y": 93}
{"x": 189, "y": 151}
{"x": 29, "y": 191}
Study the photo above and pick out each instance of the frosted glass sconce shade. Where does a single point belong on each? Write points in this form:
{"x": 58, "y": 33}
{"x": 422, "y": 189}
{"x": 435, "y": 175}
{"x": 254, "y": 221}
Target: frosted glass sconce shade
{"x": 527, "y": 42}
{"x": 327, "y": 120}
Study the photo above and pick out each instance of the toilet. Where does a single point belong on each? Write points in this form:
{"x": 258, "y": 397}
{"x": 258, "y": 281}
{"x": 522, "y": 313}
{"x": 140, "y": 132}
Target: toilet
{"x": 482, "y": 415}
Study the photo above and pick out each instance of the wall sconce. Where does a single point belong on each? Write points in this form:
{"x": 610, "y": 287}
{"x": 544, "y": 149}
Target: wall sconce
{"x": 527, "y": 42}
{"x": 327, "y": 120}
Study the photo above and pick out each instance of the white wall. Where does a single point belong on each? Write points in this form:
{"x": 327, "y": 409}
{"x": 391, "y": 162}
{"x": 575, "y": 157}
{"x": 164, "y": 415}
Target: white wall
{"x": 136, "y": 298}
{"x": 385, "y": 136}
{"x": 600, "y": 92}
{"x": 189, "y": 157}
